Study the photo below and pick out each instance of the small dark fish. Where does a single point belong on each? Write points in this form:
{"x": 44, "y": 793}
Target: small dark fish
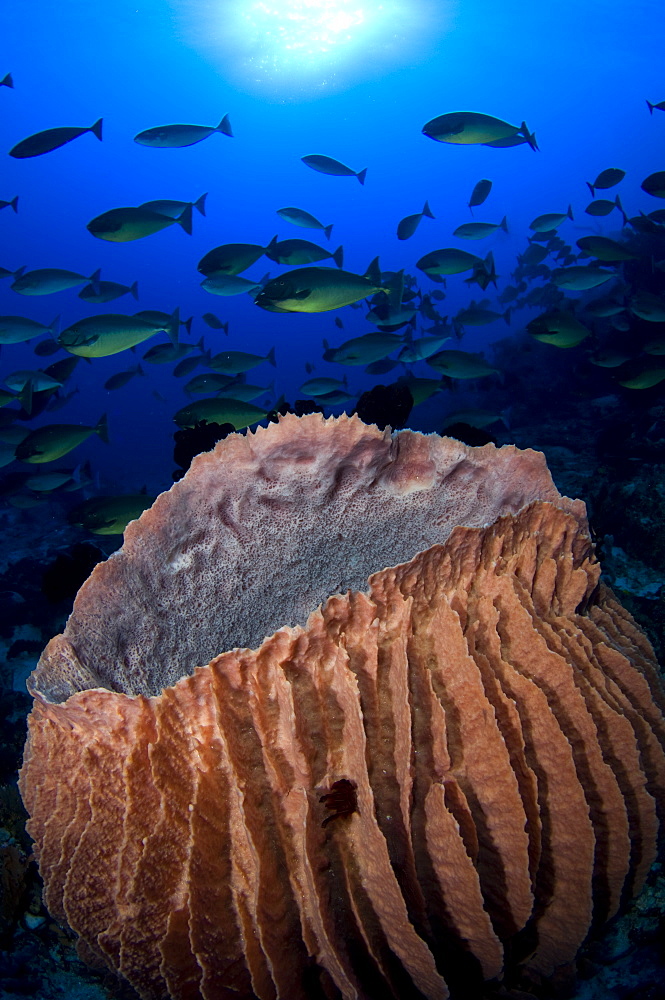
{"x": 579, "y": 278}
{"x": 319, "y": 289}
{"x": 8, "y": 82}
{"x": 10, "y": 204}
{"x": 45, "y": 348}
{"x": 643, "y": 224}
{"x": 339, "y": 322}
{"x": 382, "y": 366}
{"x": 479, "y": 230}
{"x": 479, "y": 193}
{"x": 122, "y": 378}
{"x": 548, "y": 223}
{"x": 188, "y": 364}
{"x": 48, "y": 280}
{"x": 294, "y": 252}
{"x": 208, "y": 382}
{"x": 50, "y": 139}
{"x": 660, "y": 106}
{"x": 230, "y": 284}
{"x": 299, "y": 217}
{"x": 449, "y": 260}
{"x": 164, "y": 354}
{"x": 215, "y": 323}
{"x": 603, "y": 206}
{"x": 468, "y": 128}
{"x": 237, "y": 362}
{"x": 408, "y": 225}
{"x": 109, "y": 515}
{"x": 177, "y": 136}
{"x": 533, "y": 254}
{"x": 107, "y": 291}
{"x": 55, "y": 440}
{"x": 327, "y": 165}
{"x": 121, "y": 225}
{"x": 230, "y": 258}
{"x": 606, "y": 179}
{"x": 654, "y": 184}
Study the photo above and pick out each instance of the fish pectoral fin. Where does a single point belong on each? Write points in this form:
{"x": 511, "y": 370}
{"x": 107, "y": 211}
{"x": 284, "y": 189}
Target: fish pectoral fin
{"x": 304, "y": 293}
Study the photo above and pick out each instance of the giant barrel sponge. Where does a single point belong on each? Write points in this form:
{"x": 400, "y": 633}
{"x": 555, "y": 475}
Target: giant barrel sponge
{"x": 349, "y": 715}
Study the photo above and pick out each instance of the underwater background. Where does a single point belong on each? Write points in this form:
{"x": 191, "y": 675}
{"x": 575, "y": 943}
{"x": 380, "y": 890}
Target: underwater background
{"x": 523, "y": 347}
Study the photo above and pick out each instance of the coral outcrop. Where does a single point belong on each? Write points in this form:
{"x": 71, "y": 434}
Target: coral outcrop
{"x": 443, "y": 763}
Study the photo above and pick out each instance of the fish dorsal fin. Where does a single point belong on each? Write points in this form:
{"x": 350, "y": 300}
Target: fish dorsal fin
{"x": 373, "y": 271}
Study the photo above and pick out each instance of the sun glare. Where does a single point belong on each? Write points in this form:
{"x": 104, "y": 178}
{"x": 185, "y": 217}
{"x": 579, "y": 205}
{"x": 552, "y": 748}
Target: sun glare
{"x": 307, "y": 27}
{"x": 293, "y": 36}
{"x": 301, "y": 48}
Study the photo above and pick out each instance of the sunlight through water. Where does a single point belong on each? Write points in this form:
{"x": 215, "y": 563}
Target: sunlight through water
{"x": 303, "y": 48}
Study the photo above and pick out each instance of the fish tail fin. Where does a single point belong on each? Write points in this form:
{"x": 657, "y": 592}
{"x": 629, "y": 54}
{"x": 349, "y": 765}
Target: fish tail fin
{"x": 187, "y": 323}
{"x": 14, "y": 203}
{"x": 25, "y": 397}
{"x": 225, "y": 127}
{"x": 504, "y": 224}
{"x": 621, "y": 209}
{"x": 19, "y": 271}
{"x": 7, "y": 81}
{"x": 395, "y": 287}
{"x": 569, "y": 213}
{"x": 529, "y": 136}
{"x": 201, "y": 345}
{"x": 271, "y": 245}
{"x": 361, "y": 175}
{"x": 338, "y": 256}
{"x": 173, "y": 328}
{"x": 507, "y": 315}
{"x": 134, "y": 289}
{"x": 54, "y": 327}
{"x": 200, "y": 203}
{"x": 225, "y": 328}
{"x": 270, "y": 356}
{"x": 591, "y": 189}
{"x": 427, "y": 211}
{"x": 96, "y": 129}
{"x": 328, "y": 230}
{"x": 185, "y": 220}
{"x": 102, "y": 428}
{"x": 649, "y": 105}
{"x": 139, "y": 370}
{"x": 82, "y": 474}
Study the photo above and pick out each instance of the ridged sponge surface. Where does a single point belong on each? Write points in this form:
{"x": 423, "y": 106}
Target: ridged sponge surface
{"x": 448, "y": 766}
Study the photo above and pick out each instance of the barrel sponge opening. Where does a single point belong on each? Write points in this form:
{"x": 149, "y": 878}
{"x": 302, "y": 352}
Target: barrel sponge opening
{"x": 266, "y": 527}
{"x": 350, "y": 715}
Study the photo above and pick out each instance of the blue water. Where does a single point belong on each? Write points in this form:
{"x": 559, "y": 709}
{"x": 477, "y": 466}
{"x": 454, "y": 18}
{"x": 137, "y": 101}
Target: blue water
{"x": 578, "y": 74}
